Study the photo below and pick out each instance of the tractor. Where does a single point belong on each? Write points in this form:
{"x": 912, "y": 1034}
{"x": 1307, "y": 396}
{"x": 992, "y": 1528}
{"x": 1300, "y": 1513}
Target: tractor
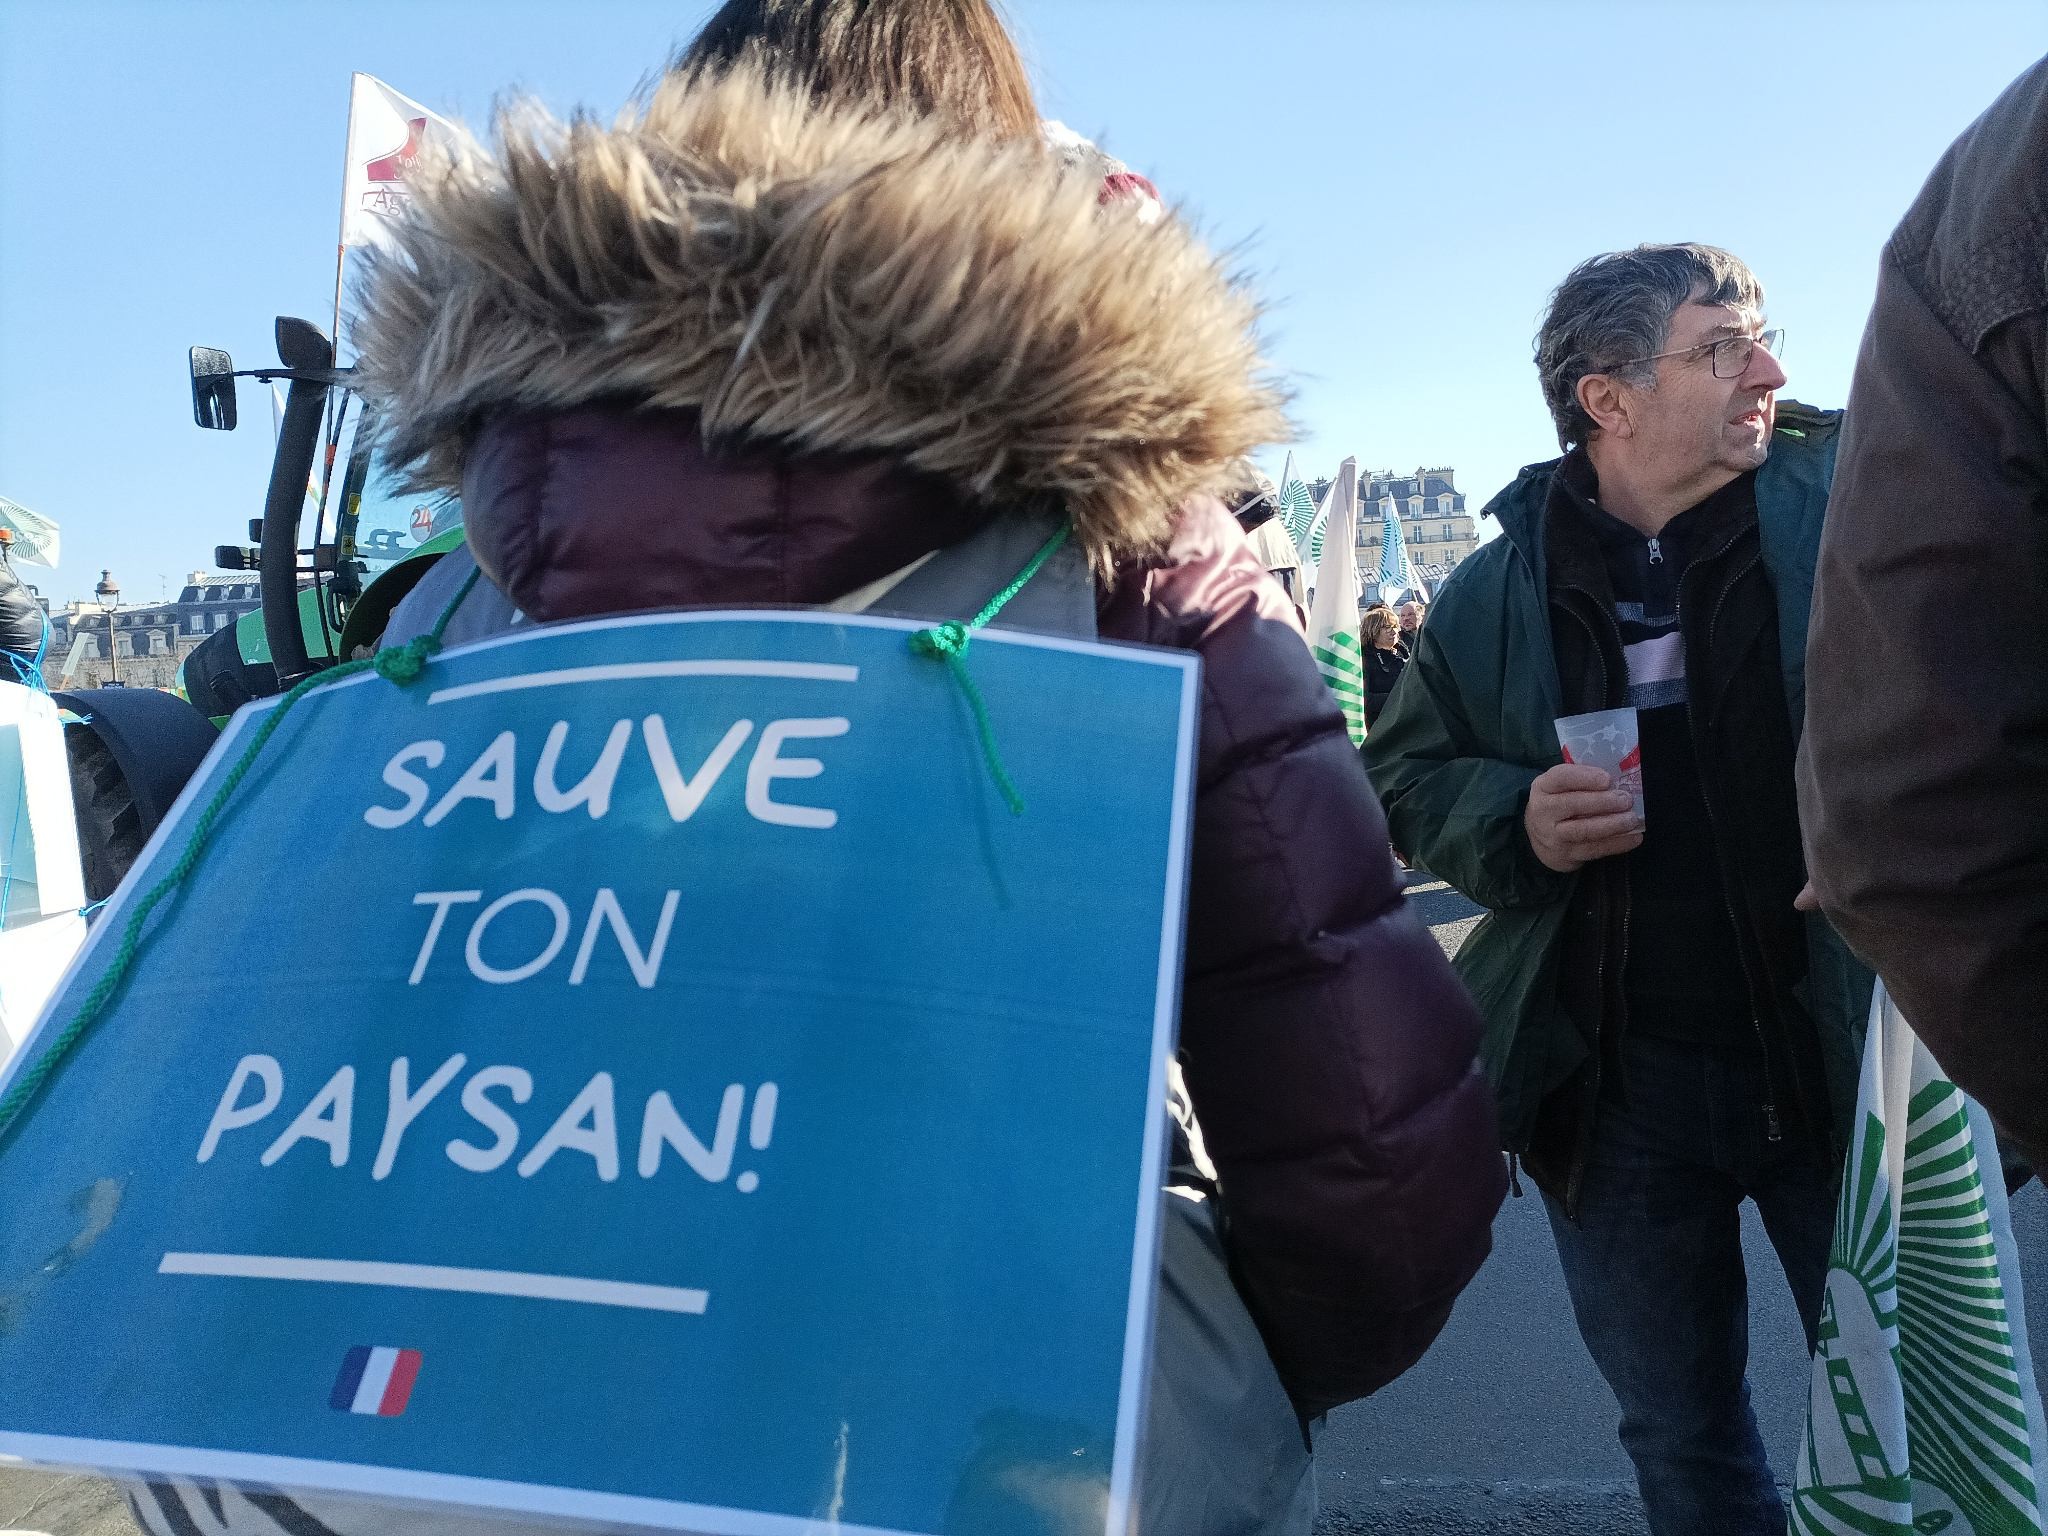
{"x": 132, "y": 750}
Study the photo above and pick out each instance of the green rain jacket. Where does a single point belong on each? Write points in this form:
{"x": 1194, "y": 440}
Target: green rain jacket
{"x": 1470, "y": 726}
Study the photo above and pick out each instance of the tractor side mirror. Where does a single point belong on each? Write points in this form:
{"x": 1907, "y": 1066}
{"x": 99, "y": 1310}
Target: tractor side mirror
{"x": 213, "y": 389}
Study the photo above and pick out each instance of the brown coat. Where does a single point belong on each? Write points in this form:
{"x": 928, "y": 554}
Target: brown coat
{"x": 1924, "y": 774}
{"x": 735, "y": 353}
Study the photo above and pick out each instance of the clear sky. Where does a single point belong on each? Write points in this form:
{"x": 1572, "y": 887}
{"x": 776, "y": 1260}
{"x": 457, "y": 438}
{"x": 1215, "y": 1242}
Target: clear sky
{"x": 1403, "y": 181}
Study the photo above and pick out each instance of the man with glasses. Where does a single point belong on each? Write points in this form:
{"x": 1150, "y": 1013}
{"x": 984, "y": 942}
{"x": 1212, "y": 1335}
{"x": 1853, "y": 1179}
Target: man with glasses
{"x": 1667, "y": 1034}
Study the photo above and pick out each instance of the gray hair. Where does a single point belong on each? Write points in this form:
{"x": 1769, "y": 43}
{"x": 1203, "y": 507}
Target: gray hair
{"x": 1619, "y": 306}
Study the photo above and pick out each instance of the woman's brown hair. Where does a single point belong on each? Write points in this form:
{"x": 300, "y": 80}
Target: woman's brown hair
{"x": 1377, "y": 623}
{"x": 950, "y": 59}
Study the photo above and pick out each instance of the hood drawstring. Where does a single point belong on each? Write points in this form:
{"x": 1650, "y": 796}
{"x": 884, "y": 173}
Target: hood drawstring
{"x": 948, "y": 642}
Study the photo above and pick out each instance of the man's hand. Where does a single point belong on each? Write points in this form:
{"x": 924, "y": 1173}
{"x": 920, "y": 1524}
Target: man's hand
{"x": 1575, "y": 817}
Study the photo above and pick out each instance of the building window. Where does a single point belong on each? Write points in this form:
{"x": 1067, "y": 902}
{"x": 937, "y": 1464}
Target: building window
{"x": 1447, "y": 530}
{"x": 195, "y": 624}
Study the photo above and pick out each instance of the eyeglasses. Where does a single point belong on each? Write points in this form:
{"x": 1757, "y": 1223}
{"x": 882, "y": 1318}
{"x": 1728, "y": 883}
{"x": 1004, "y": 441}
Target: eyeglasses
{"x": 1731, "y": 354}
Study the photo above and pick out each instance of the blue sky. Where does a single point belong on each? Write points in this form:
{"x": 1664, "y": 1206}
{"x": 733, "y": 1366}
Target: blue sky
{"x": 1404, "y": 182}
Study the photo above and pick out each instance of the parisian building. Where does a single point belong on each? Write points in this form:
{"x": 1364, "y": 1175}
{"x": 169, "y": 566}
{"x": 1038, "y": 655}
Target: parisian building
{"x": 1437, "y": 529}
{"x": 149, "y": 640}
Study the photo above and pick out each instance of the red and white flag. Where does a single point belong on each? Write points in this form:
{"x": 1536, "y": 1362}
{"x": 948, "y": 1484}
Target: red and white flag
{"x": 385, "y": 134}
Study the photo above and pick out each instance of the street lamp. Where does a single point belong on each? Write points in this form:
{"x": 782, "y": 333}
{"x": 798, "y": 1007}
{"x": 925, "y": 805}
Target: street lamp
{"x": 109, "y": 593}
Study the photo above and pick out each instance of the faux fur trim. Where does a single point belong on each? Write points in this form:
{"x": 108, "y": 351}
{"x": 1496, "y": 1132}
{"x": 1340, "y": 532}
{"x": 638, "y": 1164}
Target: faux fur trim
{"x": 825, "y": 281}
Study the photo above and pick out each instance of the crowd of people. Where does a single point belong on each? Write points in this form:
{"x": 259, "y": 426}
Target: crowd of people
{"x": 1661, "y": 1017}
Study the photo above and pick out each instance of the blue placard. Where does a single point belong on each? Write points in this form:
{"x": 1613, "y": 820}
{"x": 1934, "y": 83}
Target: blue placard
{"x": 640, "y": 1071}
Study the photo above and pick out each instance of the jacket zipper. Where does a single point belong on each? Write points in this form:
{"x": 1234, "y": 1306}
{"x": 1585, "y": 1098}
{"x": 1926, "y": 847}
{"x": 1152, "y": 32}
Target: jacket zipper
{"x": 1576, "y": 1179}
{"x": 1773, "y": 1127}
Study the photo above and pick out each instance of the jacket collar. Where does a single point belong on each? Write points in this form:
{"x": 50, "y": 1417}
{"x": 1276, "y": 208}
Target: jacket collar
{"x": 1791, "y": 489}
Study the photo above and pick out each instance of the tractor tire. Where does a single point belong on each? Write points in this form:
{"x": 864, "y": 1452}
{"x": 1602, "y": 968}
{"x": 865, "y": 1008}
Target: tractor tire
{"x": 110, "y": 835}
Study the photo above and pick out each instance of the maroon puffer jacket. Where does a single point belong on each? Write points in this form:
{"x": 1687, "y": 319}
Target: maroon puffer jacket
{"x": 736, "y": 354}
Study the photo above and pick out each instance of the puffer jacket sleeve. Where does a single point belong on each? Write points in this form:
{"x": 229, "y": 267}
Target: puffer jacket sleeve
{"x": 1455, "y": 807}
{"x": 1329, "y": 1051}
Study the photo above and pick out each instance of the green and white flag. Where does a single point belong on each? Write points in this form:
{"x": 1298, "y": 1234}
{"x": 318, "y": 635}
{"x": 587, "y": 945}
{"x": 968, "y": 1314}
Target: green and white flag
{"x": 1924, "y": 1416}
{"x": 1333, "y": 618}
{"x": 1397, "y": 577}
{"x": 1297, "y": 510}
{"x": 35, "y": 536}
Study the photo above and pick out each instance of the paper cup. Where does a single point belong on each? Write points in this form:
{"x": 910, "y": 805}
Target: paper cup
{"x": 1607, "y": 738}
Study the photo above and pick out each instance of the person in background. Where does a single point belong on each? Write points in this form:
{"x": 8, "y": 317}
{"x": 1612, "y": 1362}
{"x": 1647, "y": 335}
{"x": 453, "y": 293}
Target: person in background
{"x": 24, "y": 630}
{"x": 689, "y": 343}
{"x": 1412, "y": 615}
{"x": 1923, "y": 779}
{"x": 1668, "y": 1035}
{"x": 1385, "y": 657}
{"x": 1256, "y": 506}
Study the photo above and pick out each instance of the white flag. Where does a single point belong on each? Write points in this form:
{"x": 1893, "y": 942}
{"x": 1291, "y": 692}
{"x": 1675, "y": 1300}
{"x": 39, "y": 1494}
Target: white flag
{"x": 1924, "y": 1415}
{"x": 35, "y": 536}
{"x": 1396, "y": 575}
{"x": 1333, "y": 620}
{"x": 385, "y": 132}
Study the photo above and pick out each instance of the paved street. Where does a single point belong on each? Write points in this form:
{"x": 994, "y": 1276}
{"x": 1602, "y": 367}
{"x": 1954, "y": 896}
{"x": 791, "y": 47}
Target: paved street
{"x": 1503, "y": 1430}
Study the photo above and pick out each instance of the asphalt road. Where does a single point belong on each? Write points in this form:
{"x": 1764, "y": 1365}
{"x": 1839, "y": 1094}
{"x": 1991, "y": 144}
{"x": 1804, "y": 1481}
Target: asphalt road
{"x": 1504, "y": 1426}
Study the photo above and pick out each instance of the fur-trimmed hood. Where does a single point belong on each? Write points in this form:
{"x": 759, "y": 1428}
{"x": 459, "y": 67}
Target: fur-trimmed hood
{"x": 823, "y": 282}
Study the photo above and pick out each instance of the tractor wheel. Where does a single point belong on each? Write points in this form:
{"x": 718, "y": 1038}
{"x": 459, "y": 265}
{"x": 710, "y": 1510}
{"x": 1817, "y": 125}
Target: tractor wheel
{"x": 110, "y": 834}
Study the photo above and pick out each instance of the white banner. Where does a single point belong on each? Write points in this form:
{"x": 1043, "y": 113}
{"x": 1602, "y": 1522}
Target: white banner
{"x": 1333, "y": 616}
{"x": 385, "y": 133}
{"x": 1924, "y": 1415}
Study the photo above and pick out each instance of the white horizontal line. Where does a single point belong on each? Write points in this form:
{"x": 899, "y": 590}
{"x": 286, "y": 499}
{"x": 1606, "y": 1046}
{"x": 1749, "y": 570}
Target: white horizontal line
{"x": 803, "y": 671}
{"x": 437, "y": 1277}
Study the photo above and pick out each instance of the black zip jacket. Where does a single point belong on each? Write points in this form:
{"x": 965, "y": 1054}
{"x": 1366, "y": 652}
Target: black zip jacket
{"x": 1744, "y": 749}
{"x": 21, "y": 619}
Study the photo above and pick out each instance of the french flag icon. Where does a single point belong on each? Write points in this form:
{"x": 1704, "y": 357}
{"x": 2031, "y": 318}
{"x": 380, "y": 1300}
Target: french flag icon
{"x": 375, "y": 1379}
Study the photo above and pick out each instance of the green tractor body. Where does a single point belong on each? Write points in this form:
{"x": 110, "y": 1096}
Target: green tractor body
{"x": 323, "y": 601}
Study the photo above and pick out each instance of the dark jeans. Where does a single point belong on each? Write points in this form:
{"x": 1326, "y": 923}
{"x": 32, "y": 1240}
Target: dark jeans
{"x": 1654, "y": 1267}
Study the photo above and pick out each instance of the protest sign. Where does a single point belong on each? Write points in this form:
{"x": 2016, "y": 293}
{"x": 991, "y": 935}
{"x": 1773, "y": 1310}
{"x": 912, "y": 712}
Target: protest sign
{"x": 643, "y": 1072}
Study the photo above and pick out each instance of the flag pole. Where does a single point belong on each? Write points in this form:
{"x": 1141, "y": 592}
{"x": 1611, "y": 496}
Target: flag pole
{"x": 341, "y": 234}
{"x": 335, "y": 399}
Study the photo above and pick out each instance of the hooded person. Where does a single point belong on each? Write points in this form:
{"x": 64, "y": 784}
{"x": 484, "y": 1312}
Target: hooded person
{"x": 749, "y": 347}
{"x": 24, "y": 631}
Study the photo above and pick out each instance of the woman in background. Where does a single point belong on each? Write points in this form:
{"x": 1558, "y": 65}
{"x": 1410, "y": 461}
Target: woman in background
{"x": 1385, "y": 657}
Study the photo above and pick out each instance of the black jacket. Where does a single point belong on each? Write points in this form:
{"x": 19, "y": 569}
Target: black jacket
{"x": 21, "y": 619}
{"x": 1744, "y": 747}
{"x": 1382, "y": 670}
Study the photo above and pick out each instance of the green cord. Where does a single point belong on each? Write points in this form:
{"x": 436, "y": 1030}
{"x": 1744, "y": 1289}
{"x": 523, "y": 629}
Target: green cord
{"x": 401, "y": 664}
{"x": 948, "y": 641}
